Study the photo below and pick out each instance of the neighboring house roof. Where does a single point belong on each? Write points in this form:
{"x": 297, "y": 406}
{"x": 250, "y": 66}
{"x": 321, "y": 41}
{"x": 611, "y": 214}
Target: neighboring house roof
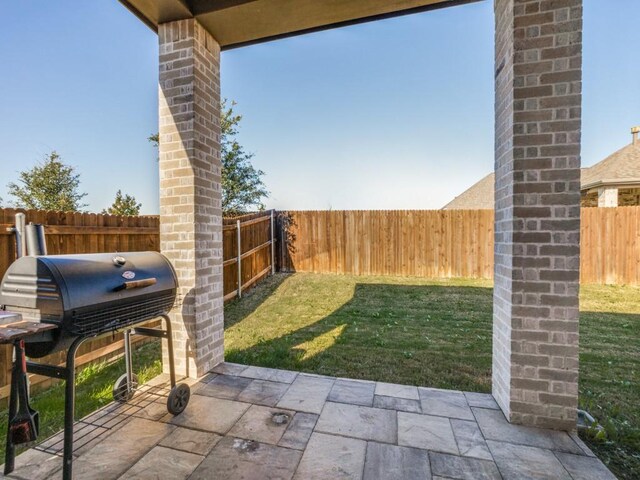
{"x": 619, "y": 168}
{"x": 478, "y": 197}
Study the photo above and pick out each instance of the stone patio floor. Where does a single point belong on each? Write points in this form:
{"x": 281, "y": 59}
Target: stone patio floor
{"x": 248, "y": 422}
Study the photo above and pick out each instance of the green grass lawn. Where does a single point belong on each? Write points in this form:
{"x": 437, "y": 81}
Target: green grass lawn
{"x": 94, "y": 385}
{"x": 435, "y": 333}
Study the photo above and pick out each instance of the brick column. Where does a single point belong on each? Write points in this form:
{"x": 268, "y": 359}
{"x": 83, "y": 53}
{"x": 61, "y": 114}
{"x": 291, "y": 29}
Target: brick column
{"x": 537, "y": 210}
{"x": 190, "y": 191}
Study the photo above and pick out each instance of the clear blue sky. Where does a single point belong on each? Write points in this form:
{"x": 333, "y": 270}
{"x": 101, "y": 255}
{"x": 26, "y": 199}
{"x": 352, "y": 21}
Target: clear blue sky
{"x": 385, "y": 115}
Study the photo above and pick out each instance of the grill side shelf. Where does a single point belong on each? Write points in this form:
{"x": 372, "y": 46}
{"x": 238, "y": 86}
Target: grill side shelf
{"x": 9, "y": 332}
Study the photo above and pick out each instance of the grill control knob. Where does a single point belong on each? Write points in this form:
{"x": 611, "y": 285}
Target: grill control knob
{"x": 118, "y": 260}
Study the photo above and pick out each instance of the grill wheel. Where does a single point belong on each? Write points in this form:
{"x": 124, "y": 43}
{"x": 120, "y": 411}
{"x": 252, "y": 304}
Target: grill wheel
{"x": 178, "y": 398}
{"x": 121, "y": 393}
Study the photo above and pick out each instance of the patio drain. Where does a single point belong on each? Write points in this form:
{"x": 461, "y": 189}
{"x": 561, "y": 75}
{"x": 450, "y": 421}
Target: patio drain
{"x": 245, "y": 445}
{"x": 280, "y": 418}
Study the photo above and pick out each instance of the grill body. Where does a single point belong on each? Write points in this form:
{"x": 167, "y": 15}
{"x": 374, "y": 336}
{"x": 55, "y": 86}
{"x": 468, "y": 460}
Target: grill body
{"x": 86, "y": 295}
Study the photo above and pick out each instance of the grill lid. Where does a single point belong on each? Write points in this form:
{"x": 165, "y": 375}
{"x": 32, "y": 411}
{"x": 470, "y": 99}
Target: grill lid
{"x": 82, "y": 281}
{"x": 92, "y": 293}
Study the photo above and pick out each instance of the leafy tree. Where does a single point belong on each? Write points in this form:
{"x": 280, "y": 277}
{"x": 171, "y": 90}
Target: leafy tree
{"x": 242, "y": 186}
{"x": 123, "y": 205}
{"x": 155, "y": 139}
{"x": 51, "y": 185}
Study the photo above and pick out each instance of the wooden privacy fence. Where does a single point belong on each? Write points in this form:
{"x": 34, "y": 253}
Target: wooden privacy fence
{"x": 610, "y": 245}
{"x": 425, "y": 243}
{"x": 436, "y": 243}
{"x": 249, "y": 251}
{"x": 444, "y": 243}
{"x": 81, "y": 233}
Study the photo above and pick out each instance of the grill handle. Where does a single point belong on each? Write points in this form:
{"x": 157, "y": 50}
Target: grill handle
{"x": 147, "y": 282}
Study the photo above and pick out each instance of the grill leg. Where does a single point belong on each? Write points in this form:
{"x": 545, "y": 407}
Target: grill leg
{"x": 127, "y": 360}
{"x": 172, "y": 366}
{"x": 10, "y": 451}
{"x": 69, "y": 408}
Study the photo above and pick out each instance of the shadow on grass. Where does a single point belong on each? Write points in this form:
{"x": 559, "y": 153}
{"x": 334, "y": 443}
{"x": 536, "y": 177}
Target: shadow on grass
{"x": 238, "y": 309}
{"x": 431, "y": 335}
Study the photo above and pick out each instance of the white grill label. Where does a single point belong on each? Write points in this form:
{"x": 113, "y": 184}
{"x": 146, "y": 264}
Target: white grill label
{"x": 129, "y": 275}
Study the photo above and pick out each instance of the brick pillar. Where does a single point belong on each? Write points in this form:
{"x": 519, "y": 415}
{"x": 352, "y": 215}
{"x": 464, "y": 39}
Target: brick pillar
{"x": 190, "y": 192}
{"x": 538, "y": 74}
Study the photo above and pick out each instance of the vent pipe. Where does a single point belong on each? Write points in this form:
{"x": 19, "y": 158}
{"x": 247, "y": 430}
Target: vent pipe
{"x": 19, "y": 230}
{"x": 36, "y": 243}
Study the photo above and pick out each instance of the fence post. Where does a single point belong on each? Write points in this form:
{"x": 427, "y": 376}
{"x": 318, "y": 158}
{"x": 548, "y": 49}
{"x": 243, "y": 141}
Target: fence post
{"x": 283, "y": 245}
{"x": 239, "y": 261}
{"x": 273, "y": 245}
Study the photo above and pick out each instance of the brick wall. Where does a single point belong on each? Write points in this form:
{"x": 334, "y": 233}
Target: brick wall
{"x": 537, "y": 207}
{"x": 503, "y": 231}
{"x": 628, "y": 197}
{"x": 190, "y": 192}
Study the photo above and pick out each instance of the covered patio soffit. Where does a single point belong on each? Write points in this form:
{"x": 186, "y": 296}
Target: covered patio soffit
{"x": 236, "y": 23}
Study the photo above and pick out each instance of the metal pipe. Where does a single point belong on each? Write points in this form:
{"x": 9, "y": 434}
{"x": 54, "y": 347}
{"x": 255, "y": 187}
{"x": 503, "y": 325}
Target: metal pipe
{"x": 273, "y": 245}
{"x": 127, "y": 361}
{"x": 69, "y": 409}
{"x": 36, "y": 242}
{"x": 172, "y": 366}
{"x": 19, "y": 230}
{"x": 239, "y": 261}
{"x": 52, "y": 371}
{"x": 283, "y": 248}
{"x": 10, "y": 451}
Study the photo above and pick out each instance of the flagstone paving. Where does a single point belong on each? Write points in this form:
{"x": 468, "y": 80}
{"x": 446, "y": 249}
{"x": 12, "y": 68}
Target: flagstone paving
{"x": 259, "y": 423}
{"x": 354, "y": 392}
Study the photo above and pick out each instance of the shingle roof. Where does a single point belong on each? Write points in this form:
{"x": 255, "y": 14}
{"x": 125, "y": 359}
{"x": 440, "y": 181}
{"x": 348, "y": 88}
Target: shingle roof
{"x": 619, "y": 168}
{"x": 477, "y": 197}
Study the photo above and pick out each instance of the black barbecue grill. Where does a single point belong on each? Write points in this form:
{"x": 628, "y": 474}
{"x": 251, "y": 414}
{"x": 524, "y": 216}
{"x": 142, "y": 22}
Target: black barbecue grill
{"x": 85, "y": 296}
